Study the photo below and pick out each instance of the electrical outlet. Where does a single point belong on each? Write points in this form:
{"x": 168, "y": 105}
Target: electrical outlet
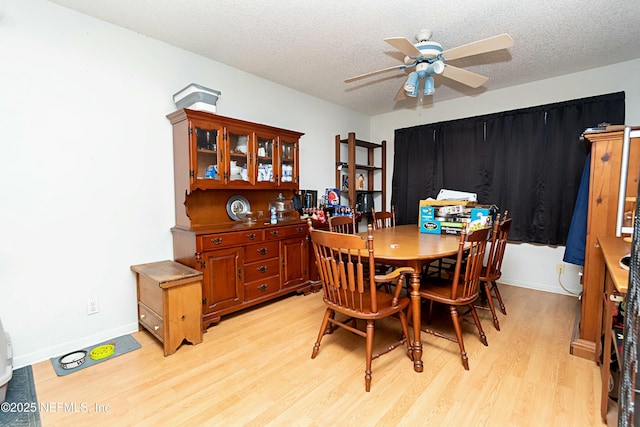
{"x": 560, "y": 268}
{"x": 92, "y": 306}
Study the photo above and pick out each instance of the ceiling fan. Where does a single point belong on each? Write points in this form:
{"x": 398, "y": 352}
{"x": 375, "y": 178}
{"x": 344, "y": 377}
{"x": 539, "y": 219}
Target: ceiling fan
{"x": 428, "y": 58}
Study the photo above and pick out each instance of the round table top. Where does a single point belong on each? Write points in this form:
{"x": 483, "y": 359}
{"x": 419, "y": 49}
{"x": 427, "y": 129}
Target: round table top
{"x": 407, "y": 243}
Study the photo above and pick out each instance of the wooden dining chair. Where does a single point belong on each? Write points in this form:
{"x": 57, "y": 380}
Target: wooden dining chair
{"x": 352, "y": 294}
{"x": 492, "y": 271}
{"x": 462, "y": 289}
{"x": 343, "y": 224}
{"x": 383, "y": 219}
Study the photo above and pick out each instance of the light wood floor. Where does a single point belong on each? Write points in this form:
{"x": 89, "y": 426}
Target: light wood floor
{"x": 255, "y": 369}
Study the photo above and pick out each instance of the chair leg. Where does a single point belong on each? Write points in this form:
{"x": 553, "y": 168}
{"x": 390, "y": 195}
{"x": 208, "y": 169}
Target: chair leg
{"x": 494, "y": 286}
{"x": 405, "y": 330}
{"x": 456, "y": 326}
{"x": 430, "y": 312}
{"x": 323, "y": 330}
{"x": 476, "y": 319}
{"x": 369, "y": 351}
{"x": 487, "y": 290}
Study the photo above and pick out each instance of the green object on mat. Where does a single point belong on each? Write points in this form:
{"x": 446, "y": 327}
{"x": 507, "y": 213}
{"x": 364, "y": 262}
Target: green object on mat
{"x": 21, "y": 393}
{"x": 102, "y": 351}
{"x": 121, "y": 345}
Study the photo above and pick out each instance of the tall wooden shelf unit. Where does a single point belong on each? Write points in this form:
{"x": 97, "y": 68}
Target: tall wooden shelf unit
{"x": 366, "y": 158}
{"x": 604, "y": 183}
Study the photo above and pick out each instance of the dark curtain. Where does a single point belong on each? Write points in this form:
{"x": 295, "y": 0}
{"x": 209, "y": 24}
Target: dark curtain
{"x": 528, "y": 161}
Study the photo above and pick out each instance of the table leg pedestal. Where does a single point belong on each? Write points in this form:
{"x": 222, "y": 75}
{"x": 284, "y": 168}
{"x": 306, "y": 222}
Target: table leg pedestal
{"x": 415, "y": 310}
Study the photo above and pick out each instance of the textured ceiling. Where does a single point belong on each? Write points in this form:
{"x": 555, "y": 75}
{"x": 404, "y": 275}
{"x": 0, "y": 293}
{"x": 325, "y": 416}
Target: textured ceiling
{"x": 313, "y": 46}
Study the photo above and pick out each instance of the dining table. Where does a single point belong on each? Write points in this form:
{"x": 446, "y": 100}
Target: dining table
{"x": 406, "y": 245}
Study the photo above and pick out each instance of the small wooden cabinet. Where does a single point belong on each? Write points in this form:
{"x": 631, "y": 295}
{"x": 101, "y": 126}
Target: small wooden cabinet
{"x": 169, "y": 296}
{"x": 218, "y": 158}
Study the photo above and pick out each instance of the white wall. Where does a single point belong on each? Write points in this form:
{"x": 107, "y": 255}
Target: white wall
{"x": 531, "y": 266}
{"x": 86, "y": 165}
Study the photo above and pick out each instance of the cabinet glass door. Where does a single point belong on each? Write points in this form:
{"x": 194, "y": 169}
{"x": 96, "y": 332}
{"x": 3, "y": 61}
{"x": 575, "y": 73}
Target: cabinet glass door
{"x": 240, "y": 147}
{"x": 265, "y": 153}
{"x": 288, "y": 164}
{"x": 207, "y": 144}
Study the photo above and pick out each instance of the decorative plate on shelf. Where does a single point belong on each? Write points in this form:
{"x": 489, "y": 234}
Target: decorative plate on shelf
{"x": 238, "y": 207}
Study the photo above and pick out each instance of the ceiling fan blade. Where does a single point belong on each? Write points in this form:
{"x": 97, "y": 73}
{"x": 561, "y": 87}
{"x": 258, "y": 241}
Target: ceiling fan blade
{"x": 463, "y": 76}
{"x": 502, "y": 41}
{"x": 404, "y": 46}
{"x": 401, "y": 94}
{"x": 361, "y": 76}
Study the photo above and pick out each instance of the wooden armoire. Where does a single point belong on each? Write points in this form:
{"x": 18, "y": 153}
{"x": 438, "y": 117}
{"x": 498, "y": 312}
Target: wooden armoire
{"x": 606, "y": 148}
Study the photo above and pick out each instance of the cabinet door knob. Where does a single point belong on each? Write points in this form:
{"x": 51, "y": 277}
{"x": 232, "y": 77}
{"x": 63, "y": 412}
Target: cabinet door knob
{"x": 299, "y": 229}
{"x": 262, "y": 268}
{"x": 217, "y": 240}
{"x": 275, "y": 233}
{"x": 155, "y": 328}
{"x": 263, "y": 287}
{"x": 251, "y": 236}
{"x": 142, "y": 316}
{"x": 262, "y": 251}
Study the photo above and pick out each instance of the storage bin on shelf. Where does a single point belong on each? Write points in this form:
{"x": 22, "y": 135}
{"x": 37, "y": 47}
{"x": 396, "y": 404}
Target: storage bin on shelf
{"x": 196, "y": 97}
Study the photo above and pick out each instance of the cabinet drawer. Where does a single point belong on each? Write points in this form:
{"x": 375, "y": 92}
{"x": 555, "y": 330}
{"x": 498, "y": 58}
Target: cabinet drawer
{"x": 223, "y": 240}
{"x": 260, "y": 251}
{"x": 287, "y": 231}
{"x": 150, "y": 320}
{"x": 261, "y": 269}
{"x": 149, "y": 293}
{"x": 260, "y": 288}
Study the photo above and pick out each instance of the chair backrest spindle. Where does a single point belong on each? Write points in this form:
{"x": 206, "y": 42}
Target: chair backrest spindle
{"x": 343, "y": 224}
{"x": 470, "y": 257}
{"x": 498, "y": 245}
{"x": 341, "y": 259}
{"x": 383, "y": 219}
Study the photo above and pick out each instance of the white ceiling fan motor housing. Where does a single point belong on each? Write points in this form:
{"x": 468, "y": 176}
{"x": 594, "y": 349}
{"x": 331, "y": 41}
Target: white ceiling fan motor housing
{"x": 428, "y": 50}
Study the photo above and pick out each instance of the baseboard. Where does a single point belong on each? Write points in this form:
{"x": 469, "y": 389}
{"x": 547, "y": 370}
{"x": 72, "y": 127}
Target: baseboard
{"x": 584, "y": 349}
{"x": 66, "y": 347}
{"x": 580, "y": 347}
{"x": 541, "y": 287}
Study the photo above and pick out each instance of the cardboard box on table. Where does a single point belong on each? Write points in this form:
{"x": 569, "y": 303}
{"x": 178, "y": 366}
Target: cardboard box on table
{"x": 449, "y": 216}
{"x": 427, "y": 219}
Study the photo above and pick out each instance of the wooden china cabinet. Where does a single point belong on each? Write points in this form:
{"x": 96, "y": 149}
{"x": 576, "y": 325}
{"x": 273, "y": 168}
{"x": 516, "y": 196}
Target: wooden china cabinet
{"x": 223, "y": 167}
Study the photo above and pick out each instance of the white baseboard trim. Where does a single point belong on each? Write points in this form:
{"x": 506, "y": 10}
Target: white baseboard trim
{"x": 67, "y": 347}
{"x": 543, "y": 287}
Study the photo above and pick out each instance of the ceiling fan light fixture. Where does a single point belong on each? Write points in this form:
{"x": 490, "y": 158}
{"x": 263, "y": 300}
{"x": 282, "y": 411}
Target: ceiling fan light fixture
{"x": 429, "y": 86}
{"x": 436, "y": 67}
{"x": 411, "y": 85}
